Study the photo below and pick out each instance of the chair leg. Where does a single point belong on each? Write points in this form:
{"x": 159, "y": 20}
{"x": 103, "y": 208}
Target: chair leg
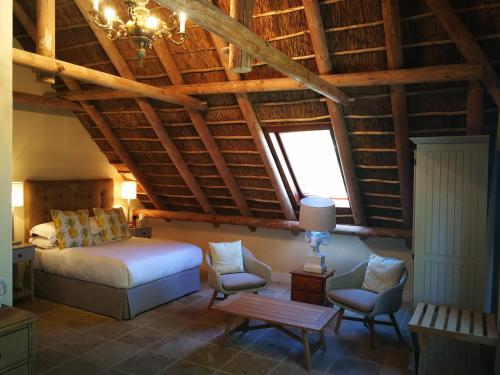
{"x": 212, "y": 300}
{"x": 372, "y": 332}
{"x": 396, "y": 326}
{"x": 340, "y": 316}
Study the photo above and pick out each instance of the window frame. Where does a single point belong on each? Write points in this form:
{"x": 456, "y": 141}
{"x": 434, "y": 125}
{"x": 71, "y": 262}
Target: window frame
{"x": 288, "y": 176}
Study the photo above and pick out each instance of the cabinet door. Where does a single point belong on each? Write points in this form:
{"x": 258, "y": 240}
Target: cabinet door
{"x": 450, "y": 245}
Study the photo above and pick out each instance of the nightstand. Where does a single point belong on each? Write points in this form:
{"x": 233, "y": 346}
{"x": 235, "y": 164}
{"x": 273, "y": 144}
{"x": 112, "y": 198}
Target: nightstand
{"x": 144, "y": 232}
{"x": 16, "y": 341}
{"x": 25, "y": 253}
{"x": 309, "y": 287}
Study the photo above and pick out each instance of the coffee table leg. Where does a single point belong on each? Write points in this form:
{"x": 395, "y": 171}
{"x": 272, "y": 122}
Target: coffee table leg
{"x": 322, "y": 340}
{"x": 227, "y": 329}
{"x": 307, "y": 349}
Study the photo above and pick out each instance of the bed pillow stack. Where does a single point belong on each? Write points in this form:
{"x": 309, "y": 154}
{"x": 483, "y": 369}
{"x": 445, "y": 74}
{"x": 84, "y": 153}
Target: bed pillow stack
{"x": 112, "y": 224}
{"x": 72, "y": 228}
{"x": 227, "y": 257}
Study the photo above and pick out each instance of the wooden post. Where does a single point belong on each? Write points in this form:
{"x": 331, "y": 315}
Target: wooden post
{"x": 466, "y": 44}
{"x": 149, "y": 112}
{"x": 46, "y": 35}
{"x": 474, "y": 108}
{"x": 393, "y": 42}
{"x": 216, "y": 21}
{"x": 241, "y": 11}
{"x": 257, "y": 133}
{"x": 318, "y": 38}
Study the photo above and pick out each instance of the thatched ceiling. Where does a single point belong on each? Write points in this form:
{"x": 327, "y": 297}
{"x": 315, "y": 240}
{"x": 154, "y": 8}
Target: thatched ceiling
{"x": 355, "y": 38}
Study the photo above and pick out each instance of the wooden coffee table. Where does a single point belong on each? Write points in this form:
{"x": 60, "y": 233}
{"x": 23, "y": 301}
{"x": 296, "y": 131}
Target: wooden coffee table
{"x": 277, "y": 314}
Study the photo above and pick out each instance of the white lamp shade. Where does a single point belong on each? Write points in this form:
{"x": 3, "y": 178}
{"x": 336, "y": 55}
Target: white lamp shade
{"x": 317, "y": 214}
{"x": 129, "y": 190}
{"x": 17, "y": 194}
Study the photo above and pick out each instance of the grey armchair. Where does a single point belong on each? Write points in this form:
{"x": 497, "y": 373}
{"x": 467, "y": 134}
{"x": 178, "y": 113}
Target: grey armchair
{"x": 257, "y": 276}
{"x": 345, "y": 291}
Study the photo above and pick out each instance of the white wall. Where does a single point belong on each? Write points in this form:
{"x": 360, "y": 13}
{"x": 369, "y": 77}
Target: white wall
{"x": 6, "y": 145}
{"x": 281, "y": 249}
{"x": 52, "y": 144}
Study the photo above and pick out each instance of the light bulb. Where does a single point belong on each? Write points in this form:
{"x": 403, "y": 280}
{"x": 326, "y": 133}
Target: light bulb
{"x": 182, "y": 21}
{"x": 152, "y": 23}
{"x": 96, "y": 4}
{"x": 110, "y": 14}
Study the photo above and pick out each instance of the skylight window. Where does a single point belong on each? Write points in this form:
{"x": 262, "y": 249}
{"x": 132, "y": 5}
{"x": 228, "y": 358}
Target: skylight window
{"x": 309, "y": 163}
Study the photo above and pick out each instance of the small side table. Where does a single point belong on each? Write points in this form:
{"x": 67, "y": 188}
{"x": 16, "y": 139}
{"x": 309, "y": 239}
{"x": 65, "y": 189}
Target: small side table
{"x": 309, "y": 287}
{"x": 144, "y": 232}
{"x": 25, "y": 253}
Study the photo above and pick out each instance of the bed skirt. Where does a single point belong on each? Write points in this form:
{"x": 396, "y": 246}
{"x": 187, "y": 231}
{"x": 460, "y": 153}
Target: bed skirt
{"x": 120, "y": 304}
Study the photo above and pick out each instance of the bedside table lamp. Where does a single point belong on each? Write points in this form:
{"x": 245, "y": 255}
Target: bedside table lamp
{"x": 17, "y": 200}
{"x": 317, "y": 218}
{"x": 129, "y": 191}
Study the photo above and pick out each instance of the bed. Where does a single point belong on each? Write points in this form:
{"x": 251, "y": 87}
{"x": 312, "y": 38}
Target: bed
{"x": 120, "y": 278}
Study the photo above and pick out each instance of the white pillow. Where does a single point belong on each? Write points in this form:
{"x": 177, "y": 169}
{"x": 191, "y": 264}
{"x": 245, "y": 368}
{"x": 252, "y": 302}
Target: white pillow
{"x": 227, "y": 257}
{"x": 382, "y": 273}
{"x": 45, "y": 230}
{"x": 42, "y": 243}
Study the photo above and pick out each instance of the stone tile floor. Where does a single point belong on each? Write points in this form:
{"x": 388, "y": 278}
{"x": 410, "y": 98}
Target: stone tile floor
{"x": 182, "y": 338}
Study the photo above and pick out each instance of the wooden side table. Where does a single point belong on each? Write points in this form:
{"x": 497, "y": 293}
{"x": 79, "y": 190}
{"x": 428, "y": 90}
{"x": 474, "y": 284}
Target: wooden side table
{"x": 144, "y": 232}
{"x": 16, "y": 341}
{"x": 309, "y": 287}
{"x": 25, "y": 253}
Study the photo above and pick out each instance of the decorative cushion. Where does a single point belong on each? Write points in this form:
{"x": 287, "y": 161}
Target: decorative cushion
{"x": 112, "y": 224}
{"x": 45, "y": 230}
{"x": 357, "y": 299}
{"x": 241, "y": 281}
{"x": 72, "y": 228}
{"x": 94, "y": 228}
{"x": 382, "y": 273}
{"x": 227, "y": 257}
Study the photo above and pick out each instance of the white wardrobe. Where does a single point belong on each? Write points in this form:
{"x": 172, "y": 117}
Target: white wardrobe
{"x": 451, "y": 259}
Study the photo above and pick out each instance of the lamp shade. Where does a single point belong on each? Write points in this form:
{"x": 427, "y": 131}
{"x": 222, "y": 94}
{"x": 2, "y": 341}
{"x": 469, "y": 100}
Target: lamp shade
{"x": 129, "y": 190}
{"x": 17, "y": 194}
{"x": 317, "y": 214}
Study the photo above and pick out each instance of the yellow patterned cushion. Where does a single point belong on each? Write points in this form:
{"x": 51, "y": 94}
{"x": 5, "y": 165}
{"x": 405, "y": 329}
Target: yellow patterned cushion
{"x": 72, "y": 228}
{"x": 112, "y": 224}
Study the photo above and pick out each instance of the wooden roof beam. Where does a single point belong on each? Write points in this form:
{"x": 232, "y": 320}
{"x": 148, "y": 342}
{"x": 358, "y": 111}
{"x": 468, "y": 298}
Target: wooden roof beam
{"x": 393, "y": 42}
{"x": 45, "y": 102}
{"x": 68, "y": 70}
{"x": 94, "y": 114}
{"x": 444, "y": 73}
{"x": 46, "y": 35}
{"x": 474, "y": 108}
{"x": 258, "y": 136}
{"x": 148, "y": 111}
{"x": 466, "y": 44}
{"x": 322, "y": 57}
{"x": 257, "y": 222}
{"x": 213, "y": 19}
{"x": 201, "y": 127}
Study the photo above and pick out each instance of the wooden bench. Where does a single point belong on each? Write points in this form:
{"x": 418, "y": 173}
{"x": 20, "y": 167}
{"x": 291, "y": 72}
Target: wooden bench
{"x": 460, "y": 324}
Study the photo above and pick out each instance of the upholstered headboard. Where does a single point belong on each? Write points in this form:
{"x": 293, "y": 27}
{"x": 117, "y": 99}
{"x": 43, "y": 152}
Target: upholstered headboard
{"x": 42, "y": 196}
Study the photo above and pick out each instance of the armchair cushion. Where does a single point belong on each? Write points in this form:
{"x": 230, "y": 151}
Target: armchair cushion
{"x": 357, "y": 299}
{"x": 241, "y": 281}
{"x": 382, "y": 273}
{"x": 227, "y": 257}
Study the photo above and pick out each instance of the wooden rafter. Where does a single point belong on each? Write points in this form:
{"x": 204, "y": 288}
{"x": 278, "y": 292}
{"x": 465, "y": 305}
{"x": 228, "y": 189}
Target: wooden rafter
{"x": 466, "y": 44}
{"x": 201, "y": 127}
{"x": 258, "y": 136}
{"x": 320, "y": 47}
{"x": 445, "y": 73}
{"x": 394, "y": 49}
{"x": 102, "y": 125}
{"x": 148, "y": 111}
{"x": 474, "y": 108}
{"x": 45, "y": 101}
{"x": 257, "y": 222}
{"x": 213, "y": 19}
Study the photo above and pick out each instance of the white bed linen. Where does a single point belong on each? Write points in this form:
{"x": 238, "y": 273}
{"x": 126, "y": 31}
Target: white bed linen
{"x": 121, "y": 264}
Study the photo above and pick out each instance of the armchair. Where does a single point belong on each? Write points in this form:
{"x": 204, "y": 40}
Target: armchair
{"x": 345, "y": 291}
{"x": 257, "y": 276}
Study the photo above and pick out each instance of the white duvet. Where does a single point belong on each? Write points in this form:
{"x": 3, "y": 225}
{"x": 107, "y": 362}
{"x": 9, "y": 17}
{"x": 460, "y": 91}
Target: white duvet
{"x": 121, "y": 264}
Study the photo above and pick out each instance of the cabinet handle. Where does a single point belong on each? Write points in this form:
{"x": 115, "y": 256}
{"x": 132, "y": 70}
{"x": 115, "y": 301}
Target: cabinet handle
{"x": 19, "y": 255}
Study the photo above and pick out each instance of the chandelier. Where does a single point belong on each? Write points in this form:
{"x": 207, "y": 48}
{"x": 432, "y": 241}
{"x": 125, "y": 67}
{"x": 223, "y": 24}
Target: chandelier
{"x": 143, "y": 28}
